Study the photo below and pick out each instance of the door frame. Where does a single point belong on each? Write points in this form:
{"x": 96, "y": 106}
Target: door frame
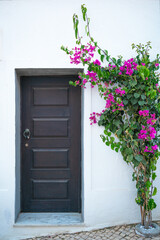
{"x": 19, "y": 72}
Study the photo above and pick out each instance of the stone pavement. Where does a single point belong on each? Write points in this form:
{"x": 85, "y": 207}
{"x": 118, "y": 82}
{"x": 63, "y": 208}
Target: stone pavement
{"x": 125, "y": 232}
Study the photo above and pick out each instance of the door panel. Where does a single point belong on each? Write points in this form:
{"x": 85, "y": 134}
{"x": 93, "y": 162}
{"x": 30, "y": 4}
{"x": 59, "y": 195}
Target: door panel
{"x": 50, "y": 166}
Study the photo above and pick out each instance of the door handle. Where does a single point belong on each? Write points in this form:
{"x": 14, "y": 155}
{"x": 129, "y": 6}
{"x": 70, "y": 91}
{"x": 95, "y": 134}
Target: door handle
{"x": 26, "y": 133}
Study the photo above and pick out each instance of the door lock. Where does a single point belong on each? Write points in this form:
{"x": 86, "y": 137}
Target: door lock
{"x": 26, "y": 133}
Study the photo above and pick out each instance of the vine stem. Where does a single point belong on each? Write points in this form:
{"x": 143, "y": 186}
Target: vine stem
{"x": 88, "y": 29}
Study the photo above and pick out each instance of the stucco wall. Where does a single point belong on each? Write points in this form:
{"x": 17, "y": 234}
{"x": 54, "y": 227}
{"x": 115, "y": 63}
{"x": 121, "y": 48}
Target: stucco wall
{"x": 31, "y": 33}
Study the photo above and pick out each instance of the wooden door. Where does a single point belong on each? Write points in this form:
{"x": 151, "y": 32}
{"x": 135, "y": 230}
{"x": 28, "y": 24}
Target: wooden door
{"x": 51, "y": 144}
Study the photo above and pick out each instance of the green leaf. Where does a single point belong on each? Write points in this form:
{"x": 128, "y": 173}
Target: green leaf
{"x": 134, "y": 101}
{"x": 143, "y": 96}
{"x": 112, "y": 146}
{"x": 112, "y": 139}
{"x": 154, "y": 191}
{"x": 70, "y": 82}
{"x": 116, "y": 122}
{"x": 99, "y": 51}
{"x": 125, "y": 102}
{"x": 119, "y": 132}
{"x": 151, "y": 204}
{"x": 106, "y": 52}
{"x": 102, "y": 57}
{"x": 130, "y": 158}
{"x": 141, "y": 103}
{"x": 139, "y": 158}
{"x": 103, "y": 138}
{"x": 136, "y": 95}
{"x": 107, "y": 143}
{"x": 142, "y": 75}
{"x": 129, "y": 96}
{"x": 154, "y": 176}
{"x": 133, "y": 82}
{"x": 128, "y": 151}
{"x": 148, "y": 184}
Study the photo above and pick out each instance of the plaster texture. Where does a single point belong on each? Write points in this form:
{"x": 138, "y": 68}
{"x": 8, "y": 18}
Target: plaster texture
{"x": 31, "y": 34}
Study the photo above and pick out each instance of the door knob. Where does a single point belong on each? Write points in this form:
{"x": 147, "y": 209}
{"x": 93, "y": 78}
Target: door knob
{"x": 26, "y": 133}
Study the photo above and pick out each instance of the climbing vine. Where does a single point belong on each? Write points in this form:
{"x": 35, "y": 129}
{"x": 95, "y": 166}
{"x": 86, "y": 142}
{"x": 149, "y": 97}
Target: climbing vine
{"x": 131, "y": 107}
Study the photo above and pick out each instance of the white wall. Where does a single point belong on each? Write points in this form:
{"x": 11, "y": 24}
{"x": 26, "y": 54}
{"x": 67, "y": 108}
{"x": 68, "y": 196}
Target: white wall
{"x": 31, "y": 33}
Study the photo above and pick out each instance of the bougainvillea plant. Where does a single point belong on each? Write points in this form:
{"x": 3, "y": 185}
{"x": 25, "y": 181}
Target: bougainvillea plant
{"x": 131, "y": 111}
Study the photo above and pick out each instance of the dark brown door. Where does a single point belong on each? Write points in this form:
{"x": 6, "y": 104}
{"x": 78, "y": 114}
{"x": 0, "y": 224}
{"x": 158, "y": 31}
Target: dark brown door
{"x": 51, "y": 141}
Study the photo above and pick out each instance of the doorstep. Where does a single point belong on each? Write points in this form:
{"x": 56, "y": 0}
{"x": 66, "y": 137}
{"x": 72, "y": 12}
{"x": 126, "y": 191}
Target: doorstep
{"x": 48, "y": 219}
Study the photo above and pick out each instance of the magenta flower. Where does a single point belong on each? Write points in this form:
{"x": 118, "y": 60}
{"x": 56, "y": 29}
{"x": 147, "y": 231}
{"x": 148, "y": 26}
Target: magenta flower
{"x": 120, "y": 104}
{"x": 143, "y": 64}
{"x": 97, "y": 62}
{"x": 109, "y": 100}
{"x": 114, "y": 66}
{"x": 86, "y": 54}
{"x": 155, "y": 147}
{"x": 93, "y": 117}
{"x": 147, "y": 150}
{"x": 156, "y": 64}
{"x": 122, "y": 68}
{"x": 144, "y": 113}
{"x": 120, "y": 92}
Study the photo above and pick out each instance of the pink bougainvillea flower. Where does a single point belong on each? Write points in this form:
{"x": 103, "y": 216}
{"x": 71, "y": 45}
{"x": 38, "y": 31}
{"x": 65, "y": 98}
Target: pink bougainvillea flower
{"x": 156, "y": 64}
{"x": 84, "y": 81}
{"x": 122, "y": 68}
{"x": 109, "y": 100}
{"x": 77, "y": 82}
{"x": 120, "y": 104}
{"x": 143, "y": 64}
{"x": 147, "y": 150}
{"x": 152, "y": 132}
{"x": 85, "y": 54}
{"x": 97, "y": 62}
{"x": 144, "y": 113}
{"x": 93, "y": 117}
{"x": 92, "y": 77}
{"x": 128, "y": 67}
{"x": 120, "y": 92}
{"x": 155, "y": 147}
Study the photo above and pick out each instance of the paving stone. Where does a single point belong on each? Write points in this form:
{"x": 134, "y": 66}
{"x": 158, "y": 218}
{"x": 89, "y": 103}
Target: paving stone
{"x": 125, "y": 232}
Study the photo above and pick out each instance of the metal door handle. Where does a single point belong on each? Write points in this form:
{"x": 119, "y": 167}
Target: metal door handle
{"x": 26, "y": 133}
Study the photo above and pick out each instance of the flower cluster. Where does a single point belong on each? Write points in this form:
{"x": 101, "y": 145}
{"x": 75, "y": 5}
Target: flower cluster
{"x": 120, "y": 92}
{"x": 92, "y": 77}
{"x": 111, "y": 66}
{"x": 147, "y": 133}
{"x": 97, "y": 62}
{"x": 153, "y": 148}
{"x": 93, "y": 117}
{"x": 152, "y": 120}
{"x": 128, "y": 67}
{"x": 144, "y": 113}
{"x": 85, "y": 53}
{"x": 110, "y": 100}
